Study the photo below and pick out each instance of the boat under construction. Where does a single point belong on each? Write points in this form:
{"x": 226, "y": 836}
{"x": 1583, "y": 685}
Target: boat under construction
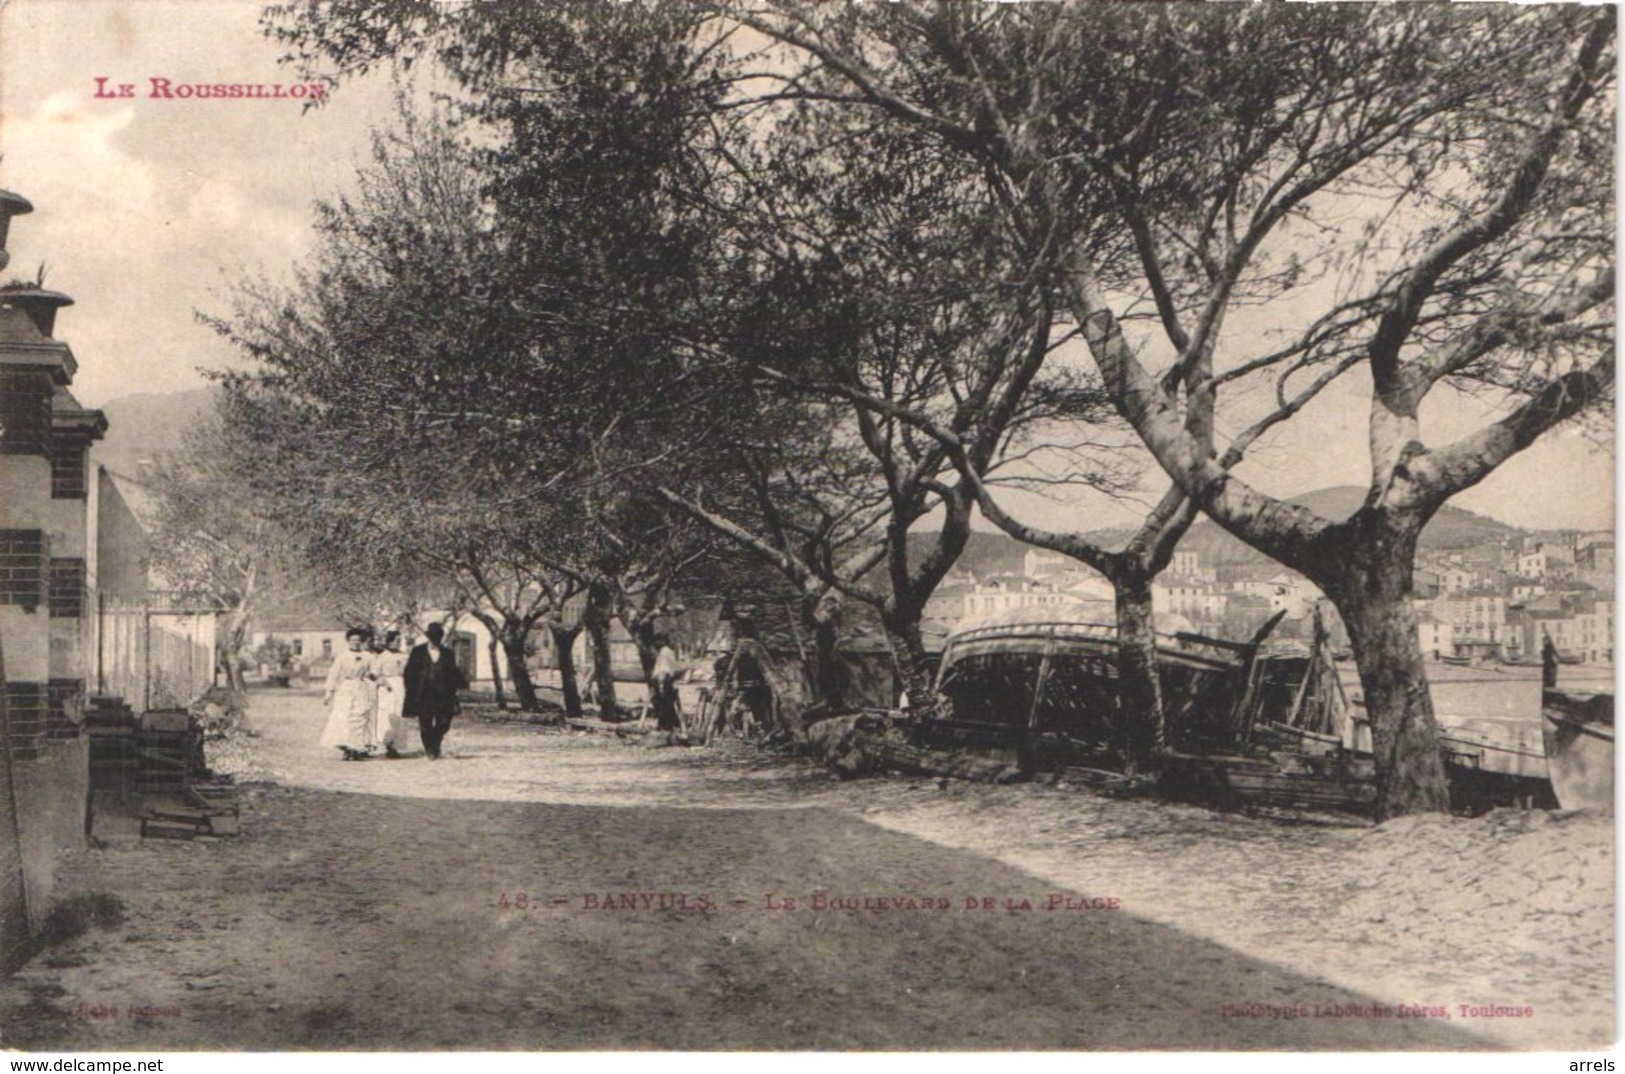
{"x": 1245, "y": 722}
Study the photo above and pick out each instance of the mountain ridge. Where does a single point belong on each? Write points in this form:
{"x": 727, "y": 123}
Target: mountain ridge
{"x": 145, "y": 425}
{"x": 994, "y": 552}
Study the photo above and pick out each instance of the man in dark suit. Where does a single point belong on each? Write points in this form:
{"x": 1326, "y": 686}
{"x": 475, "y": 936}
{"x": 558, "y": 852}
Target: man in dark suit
{"x": 432, "y": 681}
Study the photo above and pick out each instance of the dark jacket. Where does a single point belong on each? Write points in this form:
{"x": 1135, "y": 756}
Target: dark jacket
{"x": 432, "y": 685}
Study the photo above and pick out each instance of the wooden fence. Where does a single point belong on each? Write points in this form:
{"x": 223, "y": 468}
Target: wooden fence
{"x": 153, "y": 657}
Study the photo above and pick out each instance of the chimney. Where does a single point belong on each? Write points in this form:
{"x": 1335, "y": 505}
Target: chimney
{"x": 10, "y": 205}
{"x": 39, "y": 304}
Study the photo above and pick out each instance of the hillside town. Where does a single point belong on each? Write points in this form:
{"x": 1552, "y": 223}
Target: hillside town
{"x": 1492, "y": 602}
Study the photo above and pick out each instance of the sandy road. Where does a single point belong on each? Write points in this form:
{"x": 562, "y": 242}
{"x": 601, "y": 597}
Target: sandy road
{"x": 461, "y": 904}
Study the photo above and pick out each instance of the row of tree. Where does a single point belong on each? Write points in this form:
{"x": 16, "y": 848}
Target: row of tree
{"x": 666, "y": 289}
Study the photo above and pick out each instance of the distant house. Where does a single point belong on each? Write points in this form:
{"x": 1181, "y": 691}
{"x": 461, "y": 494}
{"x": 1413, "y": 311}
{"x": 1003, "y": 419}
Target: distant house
{"x": 315, "y": 634}
{"x": 1192, "y": 598}
{"x": 947, "y": 602}
{"x": 1457, "y": 579}
{"x": 1039, "y": 562}
{"x": 1579, "y": 623}
{"x": 1525, "y": 588}
{"x": 1531, "y": 563}
{"x": 1436, "y": 637}
{"x": 1001, "y": 593}
{"x": 1188, "y": 564}
{"x": 1475, "y": 616}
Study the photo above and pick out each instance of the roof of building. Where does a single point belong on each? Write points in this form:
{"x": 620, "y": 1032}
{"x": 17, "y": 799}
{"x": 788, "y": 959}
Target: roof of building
{"x": 66, "y": 410}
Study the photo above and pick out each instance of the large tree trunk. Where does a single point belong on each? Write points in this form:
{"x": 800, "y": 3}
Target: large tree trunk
{"x": 643, "y": 635}
{"x": 513, "y": 647}
{"x": 823, "y": 616}
{"x": 595, "y": 619}
{"x": 1139, "y": 692}
{"x": 232, "y": 646}
{"x": 496, "y": 671}
{"x": 564, "y": 640}
{"x": 231, "y": 661}
{"x": 914, "y": 667}
{"x": 1372, "y": 592}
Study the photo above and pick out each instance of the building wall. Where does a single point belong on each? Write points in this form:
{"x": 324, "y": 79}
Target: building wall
{"x": 44, "y": 760}
{"x": 313, "y": 648}
{"x": 1037, "y": 562}
{"x": 1589, "y": 635}
{"x": 1436, "y": 638}
{"x": 25, "y": 549}
{"x": 52, "y": 792}
{"x": 121, "y": 543}
{"x": 69, "y": 589}
{"x": 986, "y": 602}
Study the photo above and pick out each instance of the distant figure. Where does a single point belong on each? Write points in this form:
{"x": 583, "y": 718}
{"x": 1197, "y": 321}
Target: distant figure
{"x": 1548, "y": 664}
{"x": 663, "y": 687}
{"x": 390, "y": 668}
{"x": 351, "y": 692}
{"x": 432, "y": 681}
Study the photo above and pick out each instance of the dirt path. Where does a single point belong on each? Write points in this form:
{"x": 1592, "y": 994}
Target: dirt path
{"x": 360, "y": 892}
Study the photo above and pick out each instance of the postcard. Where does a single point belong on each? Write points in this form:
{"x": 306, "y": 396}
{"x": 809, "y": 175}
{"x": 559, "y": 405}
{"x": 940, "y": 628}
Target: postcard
{"x": 806, "y": 528}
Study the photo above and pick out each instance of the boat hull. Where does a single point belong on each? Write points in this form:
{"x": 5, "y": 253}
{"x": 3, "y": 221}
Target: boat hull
{"x": 1578, "y": 734}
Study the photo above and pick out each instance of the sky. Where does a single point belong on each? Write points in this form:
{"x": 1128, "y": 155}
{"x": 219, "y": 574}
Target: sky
{"x": 148, "y": 211}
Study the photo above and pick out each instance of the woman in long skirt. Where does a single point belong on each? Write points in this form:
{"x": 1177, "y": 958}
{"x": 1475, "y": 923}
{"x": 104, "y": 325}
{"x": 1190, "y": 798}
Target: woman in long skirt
{"x": 390, "y": 668}
{"x": 353, "y": 697}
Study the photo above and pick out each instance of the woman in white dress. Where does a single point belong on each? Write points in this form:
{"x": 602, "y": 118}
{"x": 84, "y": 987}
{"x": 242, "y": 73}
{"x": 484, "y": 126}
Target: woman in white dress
{"x": 351, "y": 692}
{"x": 390, "y": 668}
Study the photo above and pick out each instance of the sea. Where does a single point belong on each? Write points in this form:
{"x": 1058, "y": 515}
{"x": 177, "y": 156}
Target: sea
{"x": 1499, "y": 706}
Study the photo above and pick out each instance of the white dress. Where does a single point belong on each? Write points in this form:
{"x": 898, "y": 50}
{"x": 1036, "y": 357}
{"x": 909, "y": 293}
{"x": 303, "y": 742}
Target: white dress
{"x": 390, "y": 669}
{"x": 350, "y": 684}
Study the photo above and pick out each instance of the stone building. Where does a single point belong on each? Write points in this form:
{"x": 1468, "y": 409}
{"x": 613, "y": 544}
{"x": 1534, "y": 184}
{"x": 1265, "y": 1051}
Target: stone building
{"x": 47, "y": 577}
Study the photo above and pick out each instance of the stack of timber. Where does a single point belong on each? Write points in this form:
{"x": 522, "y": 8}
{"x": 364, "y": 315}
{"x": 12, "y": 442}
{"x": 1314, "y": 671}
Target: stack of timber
{"x": 148, "y": 777}
{"x": 876, "y": 740}
{"x": 115, "y": 759}
{"x": 1329, "y": 783}
{"x": 202, "y": 810}
{"x": 882, "y": 754}
{"x": 170, "y": 746}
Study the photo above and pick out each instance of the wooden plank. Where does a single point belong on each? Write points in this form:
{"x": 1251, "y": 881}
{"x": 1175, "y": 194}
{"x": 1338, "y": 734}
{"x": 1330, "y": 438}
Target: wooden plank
{"x": 904, "y": 758}
{"x": 166, "y": 721}
{"x": 213, "y": 796}
{"x": 1041, "y": 681}
{"x": 1300, "y": 732}
{"x": 180, "y": 816}
{"x": 163, "y": 829}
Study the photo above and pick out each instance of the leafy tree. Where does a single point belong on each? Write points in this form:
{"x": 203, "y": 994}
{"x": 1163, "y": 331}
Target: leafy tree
{"x": 1427, "y": 191}
{"x": 678, "y": 291}
{"x": 880, "y": 302}
{"x": 450, "y": 311}
{"x": 213, "y": 543}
